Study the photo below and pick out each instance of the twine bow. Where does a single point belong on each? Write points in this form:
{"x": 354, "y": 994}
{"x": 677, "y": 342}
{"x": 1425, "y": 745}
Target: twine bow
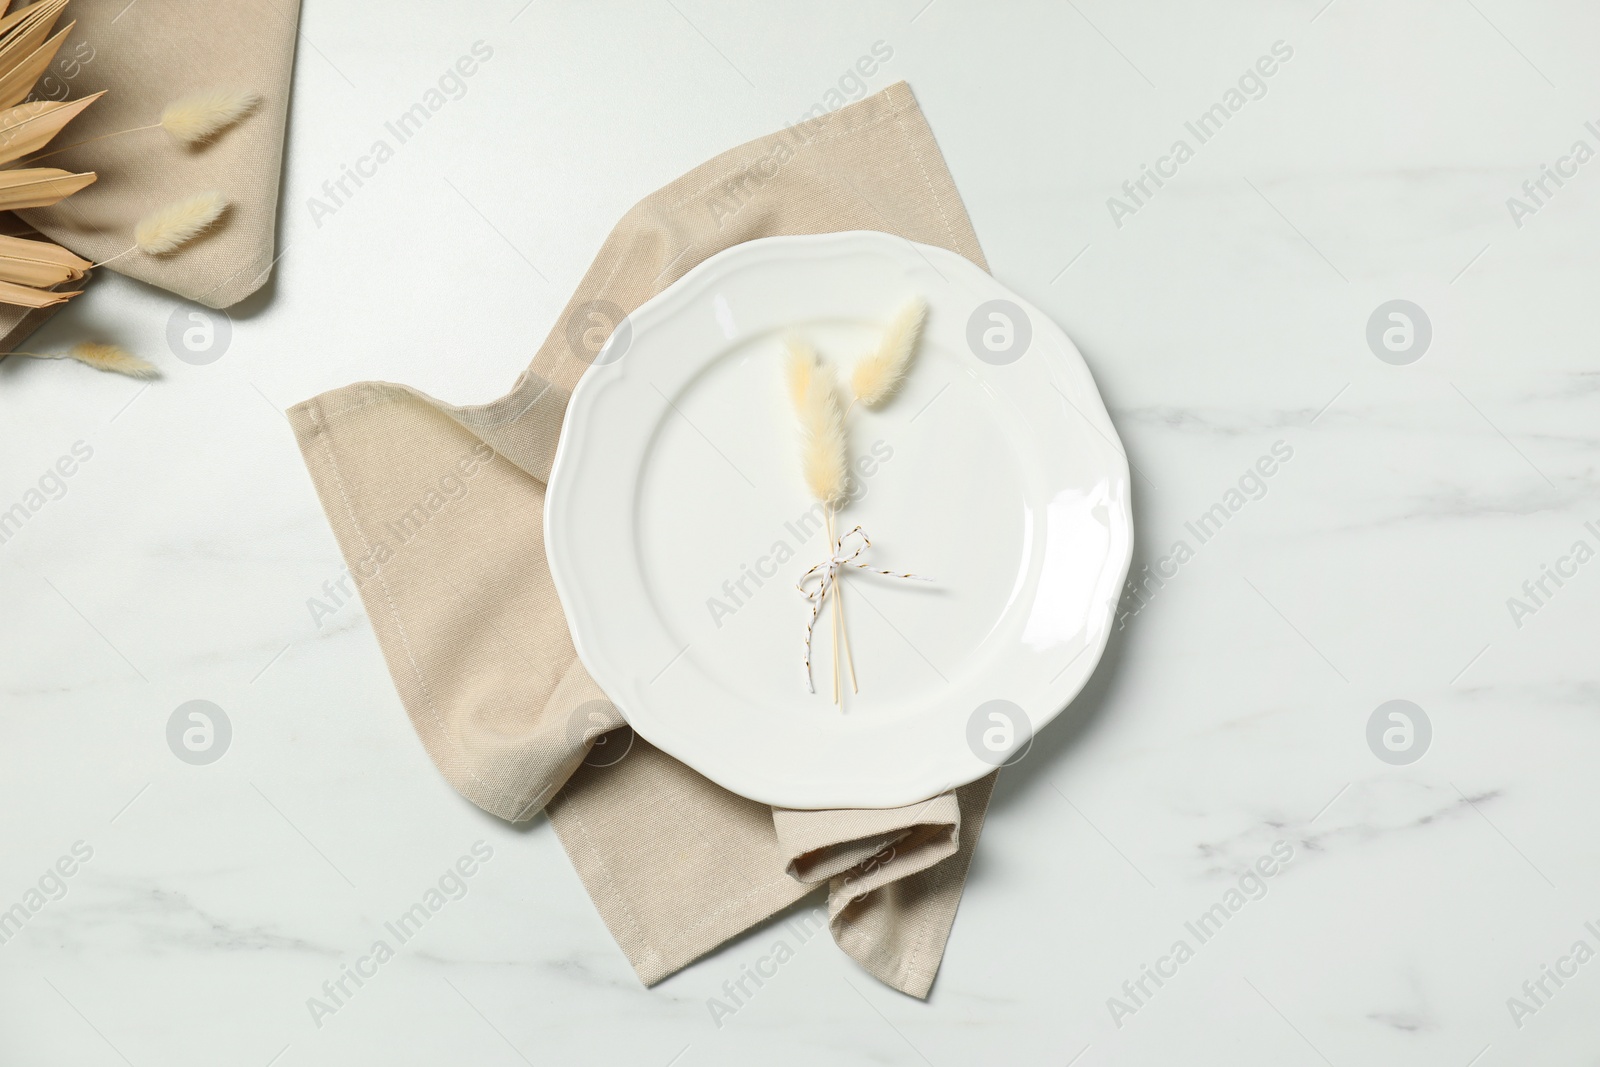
{"x": 819, "y": 581}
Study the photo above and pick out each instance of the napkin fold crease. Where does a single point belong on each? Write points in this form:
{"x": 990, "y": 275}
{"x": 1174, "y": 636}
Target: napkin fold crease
{"x": 438, "y": 509}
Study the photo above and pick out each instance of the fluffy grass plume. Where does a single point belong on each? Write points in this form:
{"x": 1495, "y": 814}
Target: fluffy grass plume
{"x": 112, "y": 358}
{"x": 877, "y": 375}
{"x": 799, "y": 369}
{"x": 822, "y": 445}
{"x": 100, "y": 357}
{"x": 171, "y": 227}
{"x": 202, "y": 116}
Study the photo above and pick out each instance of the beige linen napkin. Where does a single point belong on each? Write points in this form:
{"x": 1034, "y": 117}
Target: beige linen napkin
{"x": 438, "y": 509}
{"x": 149, "y": 53}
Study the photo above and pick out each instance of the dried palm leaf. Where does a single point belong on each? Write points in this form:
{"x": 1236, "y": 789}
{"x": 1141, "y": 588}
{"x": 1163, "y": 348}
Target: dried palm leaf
{"x": 9, "y": 24}
{"x": 22, "y": 296}
{"x": 39, "y": 186}
{"x": 38, "y": 263}
{"x": 29, "y": 127}
{"x": 33, "y": 25}
{"x": 22, "y": 17}
{"x": 16, "y": 83}
{"x": 29, "y": 270}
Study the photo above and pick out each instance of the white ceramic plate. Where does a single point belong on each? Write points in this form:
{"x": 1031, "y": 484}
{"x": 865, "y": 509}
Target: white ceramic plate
{"x": 677, "y": 525}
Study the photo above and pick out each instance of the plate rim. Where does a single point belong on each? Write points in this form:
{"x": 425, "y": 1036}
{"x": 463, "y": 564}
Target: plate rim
{"x": 594, "y": 379}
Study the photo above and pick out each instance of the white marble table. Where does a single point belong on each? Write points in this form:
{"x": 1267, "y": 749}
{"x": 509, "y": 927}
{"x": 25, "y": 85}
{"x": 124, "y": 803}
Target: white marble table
{"x": 1224, "y": 312}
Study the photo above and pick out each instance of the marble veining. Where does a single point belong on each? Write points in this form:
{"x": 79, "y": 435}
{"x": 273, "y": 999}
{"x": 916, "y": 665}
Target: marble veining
{"x": 1425, "y": 899}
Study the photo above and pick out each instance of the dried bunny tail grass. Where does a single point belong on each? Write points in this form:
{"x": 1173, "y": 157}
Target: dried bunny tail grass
{"x": 877, "y": 375}
{"x": 171, "y": 227}
{"x": 202, "y": 116}
{"x": 800, "y": 368}
{"x": 112, "y": 358}
{"x": 823, "y": 459}
{"x": 99, "y": 356}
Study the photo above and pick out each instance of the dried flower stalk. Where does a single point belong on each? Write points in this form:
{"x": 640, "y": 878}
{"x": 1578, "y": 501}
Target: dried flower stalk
{"x": 170, "y": 227}
{"x": 111, "y": 358}
{"x": 879, "y": 374}
{"x": 824, "y": 458}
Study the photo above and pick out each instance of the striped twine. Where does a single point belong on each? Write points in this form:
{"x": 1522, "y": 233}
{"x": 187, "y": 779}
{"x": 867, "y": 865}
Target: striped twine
{"x": 818, "y": 582}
